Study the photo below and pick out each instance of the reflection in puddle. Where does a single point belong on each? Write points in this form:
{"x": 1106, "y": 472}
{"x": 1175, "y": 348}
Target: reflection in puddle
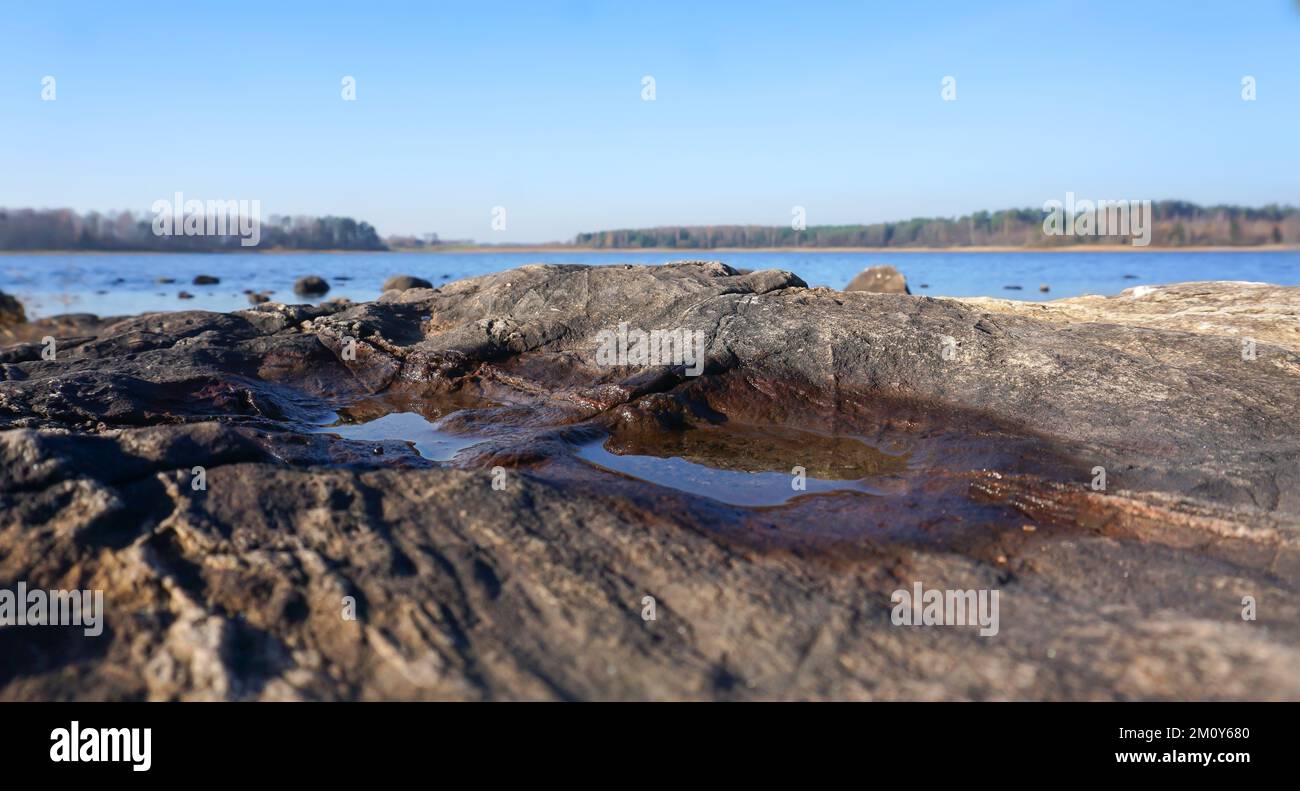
{"x": 411, "y": 427}
{"x": 745, "y": 465}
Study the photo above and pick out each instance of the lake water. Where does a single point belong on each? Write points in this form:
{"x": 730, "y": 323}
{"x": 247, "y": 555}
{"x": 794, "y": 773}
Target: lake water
{"x": 113, "y": 284}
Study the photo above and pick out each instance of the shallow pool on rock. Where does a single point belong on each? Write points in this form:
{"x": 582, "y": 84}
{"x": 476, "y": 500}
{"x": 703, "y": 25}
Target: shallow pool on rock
{"x": 747, "y": 465}
{"x": 411, "y": 427}
{"x": 733, "y": 463}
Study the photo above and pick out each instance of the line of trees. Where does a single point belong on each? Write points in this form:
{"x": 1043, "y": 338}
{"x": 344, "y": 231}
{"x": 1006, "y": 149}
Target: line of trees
{"x": 1177, "y": 224}
{"x": 64, "y": 229}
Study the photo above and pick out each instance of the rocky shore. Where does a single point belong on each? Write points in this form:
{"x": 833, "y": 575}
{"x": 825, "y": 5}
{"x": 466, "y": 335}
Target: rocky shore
{"x": 196, "y": 468}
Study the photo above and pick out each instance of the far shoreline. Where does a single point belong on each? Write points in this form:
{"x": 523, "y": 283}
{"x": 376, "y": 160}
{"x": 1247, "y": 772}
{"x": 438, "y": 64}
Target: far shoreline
{"x": 1079, "y": 248}
{"x": 695, "y": 253}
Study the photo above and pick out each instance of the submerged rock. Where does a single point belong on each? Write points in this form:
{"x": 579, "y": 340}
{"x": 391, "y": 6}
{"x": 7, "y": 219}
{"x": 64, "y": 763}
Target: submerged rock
{"x": 354, "y": 567}
{"x": 205, "y": 280}
{"x": 883, "y": 279}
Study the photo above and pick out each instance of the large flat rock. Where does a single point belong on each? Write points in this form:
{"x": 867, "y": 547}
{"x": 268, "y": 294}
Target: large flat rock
{"x": 534, "y": 588}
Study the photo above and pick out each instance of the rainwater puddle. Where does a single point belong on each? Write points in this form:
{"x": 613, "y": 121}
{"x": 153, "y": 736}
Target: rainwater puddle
{"x": 749, "y": 466}
{"x": 411, "y": 427}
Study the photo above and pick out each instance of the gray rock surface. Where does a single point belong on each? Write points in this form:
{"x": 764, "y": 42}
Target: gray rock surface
{"x": 534, "y": 589}
{"x": 1227, "y": 308}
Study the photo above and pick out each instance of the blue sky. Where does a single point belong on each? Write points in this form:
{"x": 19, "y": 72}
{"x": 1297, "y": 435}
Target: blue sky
{"x": 537, "y": 107}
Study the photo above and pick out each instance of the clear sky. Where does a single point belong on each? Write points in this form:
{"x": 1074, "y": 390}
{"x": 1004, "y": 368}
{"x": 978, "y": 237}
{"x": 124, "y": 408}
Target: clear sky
{"x": 537, "y": 107}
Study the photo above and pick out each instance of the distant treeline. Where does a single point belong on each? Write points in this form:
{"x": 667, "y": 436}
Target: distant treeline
{"x": 1177, "y": 224}
{"x": 63, "y": 229}
{"x": 428, "y": 241}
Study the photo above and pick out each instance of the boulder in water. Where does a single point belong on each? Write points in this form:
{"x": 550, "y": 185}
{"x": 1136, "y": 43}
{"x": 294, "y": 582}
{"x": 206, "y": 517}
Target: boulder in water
{"x": 403, "y": 282}
{"x": 311, "y": 285}
{"x": 883, "y": 279}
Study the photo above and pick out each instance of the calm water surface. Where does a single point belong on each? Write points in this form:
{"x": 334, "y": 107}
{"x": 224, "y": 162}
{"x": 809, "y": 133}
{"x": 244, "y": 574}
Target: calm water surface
{"x": 128, "y": 283}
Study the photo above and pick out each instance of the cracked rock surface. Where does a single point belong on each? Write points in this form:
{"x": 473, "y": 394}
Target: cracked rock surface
{"x": 196, "y": 467}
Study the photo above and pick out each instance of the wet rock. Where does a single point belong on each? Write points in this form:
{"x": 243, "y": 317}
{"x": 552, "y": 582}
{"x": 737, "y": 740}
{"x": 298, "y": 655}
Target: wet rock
{"x": 1044, "y": 288}
{"x": 310, "y": 286}
{"x": 883, "y": 279}
{"x": 403, "y": 282}
{"x": 184, "y": 295}
{"x": 206, "y": 280}
{"x": 343, "y": 573}
{"x": 11, "y": 310}
{"x": 165, "y": 280}
{"x": 257, "y": 299}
